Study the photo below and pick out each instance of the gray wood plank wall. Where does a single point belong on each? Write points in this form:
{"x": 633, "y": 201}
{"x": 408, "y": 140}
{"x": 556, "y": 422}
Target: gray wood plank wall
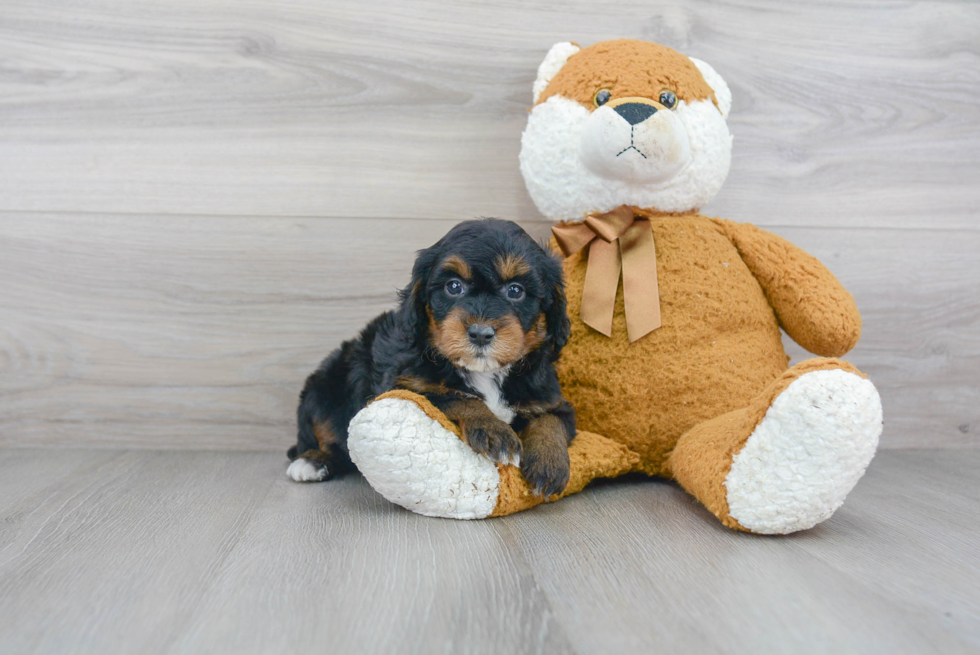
{"x": 199, "y": 199}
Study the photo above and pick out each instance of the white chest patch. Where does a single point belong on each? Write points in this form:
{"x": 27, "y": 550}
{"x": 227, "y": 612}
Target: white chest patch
{"x": 488, "y": 385}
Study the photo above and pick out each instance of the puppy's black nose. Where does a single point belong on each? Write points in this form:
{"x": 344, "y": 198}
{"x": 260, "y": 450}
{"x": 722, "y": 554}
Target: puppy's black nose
{"x": 635, "y": 112}
{"x": 480, "y": 334}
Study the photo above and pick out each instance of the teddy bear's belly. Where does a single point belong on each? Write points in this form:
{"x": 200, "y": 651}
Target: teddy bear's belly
{"x": 718, "y": 345}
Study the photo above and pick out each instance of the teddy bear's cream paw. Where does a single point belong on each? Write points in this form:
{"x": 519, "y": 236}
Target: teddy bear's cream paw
{"x": 414, "y": 462}
{"x": 807, "y": 453}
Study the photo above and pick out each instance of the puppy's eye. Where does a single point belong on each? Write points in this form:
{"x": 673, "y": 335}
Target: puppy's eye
{"x": 601, "y": 97}
{"x": 454, "y": 287}
{"x": 515, "y": 292}
{"x": 668, "y": 99}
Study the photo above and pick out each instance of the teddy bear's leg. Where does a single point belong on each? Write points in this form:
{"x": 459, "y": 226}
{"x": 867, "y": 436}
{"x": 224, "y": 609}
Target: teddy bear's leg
{"x": 413, "y": 456}
{"x": 785, "y": 462}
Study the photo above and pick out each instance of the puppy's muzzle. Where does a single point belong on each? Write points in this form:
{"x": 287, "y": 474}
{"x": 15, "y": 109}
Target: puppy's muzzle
{"x": 480, "y": 334}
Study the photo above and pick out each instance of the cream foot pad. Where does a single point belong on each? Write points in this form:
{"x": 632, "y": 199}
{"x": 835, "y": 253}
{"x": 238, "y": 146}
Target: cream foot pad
{"x": 414, "y": 461}
{"x": 814, "y": 444}
{"x": 413, "y": 456}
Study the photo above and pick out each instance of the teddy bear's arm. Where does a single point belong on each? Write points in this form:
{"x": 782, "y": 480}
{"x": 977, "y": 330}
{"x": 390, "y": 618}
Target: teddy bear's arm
{"x": 811, "y": 304}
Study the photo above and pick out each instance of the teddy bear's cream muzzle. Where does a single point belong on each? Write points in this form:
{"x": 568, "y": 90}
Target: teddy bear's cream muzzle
{"x": 634, "y": 140}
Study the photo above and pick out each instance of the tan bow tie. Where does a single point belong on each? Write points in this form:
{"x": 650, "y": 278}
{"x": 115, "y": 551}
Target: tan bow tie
{"x": 624, "y": 243}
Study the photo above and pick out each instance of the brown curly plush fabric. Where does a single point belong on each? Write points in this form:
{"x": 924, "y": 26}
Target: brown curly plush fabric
{"x": 592, "y": 456}
{"x": 813, "y": 308}
{"x": 703, "y": 456}
{"x": 718, "y": 346}
{"x": 628, "y": 68}
{"x": 685, "y": 398}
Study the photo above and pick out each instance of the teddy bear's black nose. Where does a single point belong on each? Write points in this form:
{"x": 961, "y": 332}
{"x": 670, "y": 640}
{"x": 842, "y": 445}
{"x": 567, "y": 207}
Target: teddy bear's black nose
{"x": 635, "y": 112}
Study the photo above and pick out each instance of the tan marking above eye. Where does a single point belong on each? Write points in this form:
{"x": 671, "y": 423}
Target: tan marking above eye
{"x": 510, "y": 266}
{"x": 456, "y": 264}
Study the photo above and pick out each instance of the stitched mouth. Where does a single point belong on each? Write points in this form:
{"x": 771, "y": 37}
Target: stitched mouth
{"x": 631, "y": 146}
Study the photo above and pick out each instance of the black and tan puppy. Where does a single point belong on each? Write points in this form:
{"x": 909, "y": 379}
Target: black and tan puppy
{"x": 477, "y": 332}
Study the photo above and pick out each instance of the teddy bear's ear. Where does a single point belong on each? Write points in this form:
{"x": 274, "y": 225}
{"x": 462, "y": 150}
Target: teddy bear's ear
{"x": 722, "y": 93}
{"x": 553, "y": 61}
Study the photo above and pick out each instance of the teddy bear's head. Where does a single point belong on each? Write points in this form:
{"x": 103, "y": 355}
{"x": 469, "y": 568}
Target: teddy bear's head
{"x": 625, "y": 123}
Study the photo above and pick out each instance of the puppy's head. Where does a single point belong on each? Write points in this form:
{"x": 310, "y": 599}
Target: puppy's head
{"x": 486, "y": 295}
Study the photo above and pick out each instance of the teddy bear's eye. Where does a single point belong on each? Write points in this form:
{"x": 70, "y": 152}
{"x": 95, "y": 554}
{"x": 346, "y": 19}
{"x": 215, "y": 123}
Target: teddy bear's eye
{"x": 668, "y": 99}
{"x": 601, "y": 97}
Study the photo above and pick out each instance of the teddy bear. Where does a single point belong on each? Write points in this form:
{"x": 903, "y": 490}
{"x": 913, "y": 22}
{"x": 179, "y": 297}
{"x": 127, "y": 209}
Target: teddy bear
{"x": 675, "y": 365}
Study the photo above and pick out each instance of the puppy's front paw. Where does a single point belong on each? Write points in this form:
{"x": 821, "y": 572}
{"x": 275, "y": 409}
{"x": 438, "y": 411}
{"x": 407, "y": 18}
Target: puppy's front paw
{"x": 546, "y": 470}
{"x": 493, "y": 438}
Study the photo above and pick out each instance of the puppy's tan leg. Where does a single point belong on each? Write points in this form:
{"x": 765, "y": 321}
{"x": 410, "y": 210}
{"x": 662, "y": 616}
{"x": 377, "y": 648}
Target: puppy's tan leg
{"x": 545, "y": 465}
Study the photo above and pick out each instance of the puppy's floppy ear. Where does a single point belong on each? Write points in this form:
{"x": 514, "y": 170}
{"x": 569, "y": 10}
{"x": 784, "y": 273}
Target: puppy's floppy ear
{"x": 554, "y": 307}
{"x": 415, "y": 297}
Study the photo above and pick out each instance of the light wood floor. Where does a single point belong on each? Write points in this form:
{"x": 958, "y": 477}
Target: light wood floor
{"x": 117, "y": 551}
